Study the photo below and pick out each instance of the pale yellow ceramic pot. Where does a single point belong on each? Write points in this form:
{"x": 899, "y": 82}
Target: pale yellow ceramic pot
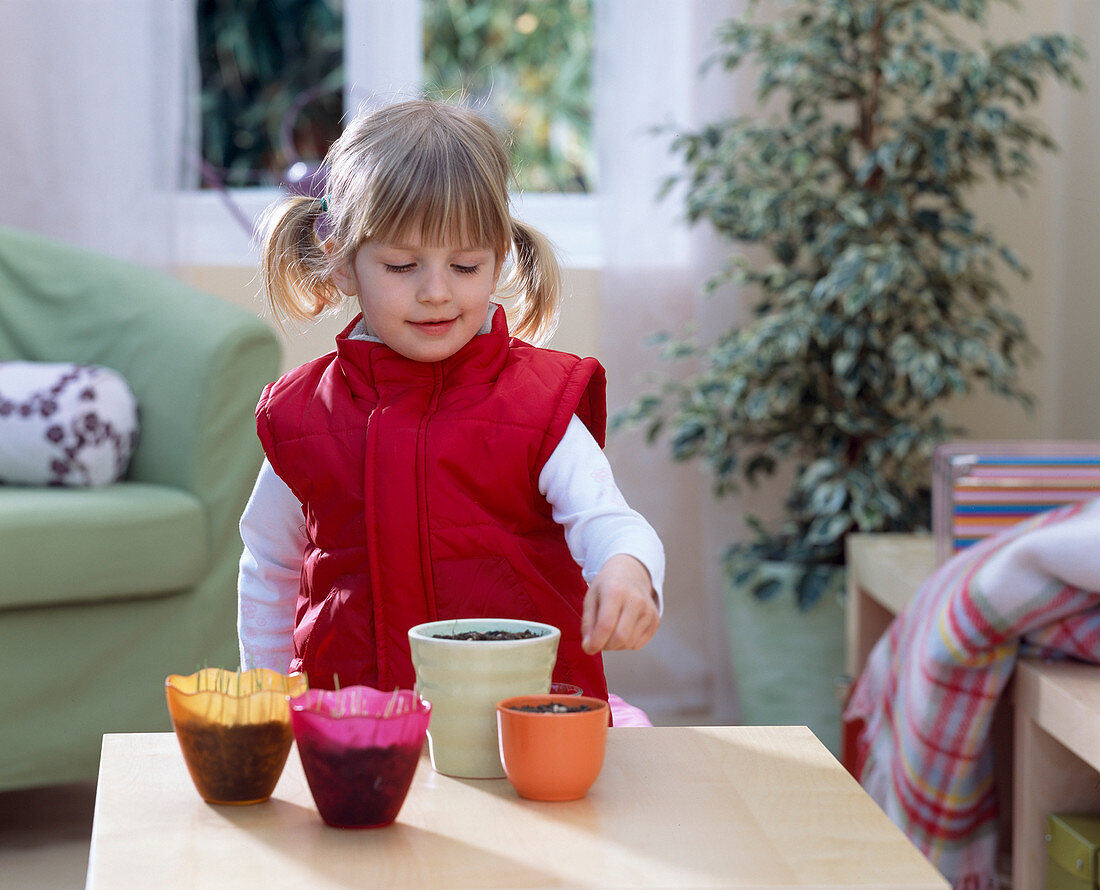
{"x": 464, "y": 680}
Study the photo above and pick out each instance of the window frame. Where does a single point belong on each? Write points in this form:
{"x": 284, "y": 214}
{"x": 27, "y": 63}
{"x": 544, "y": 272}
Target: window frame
{"x": 382, "y": 58}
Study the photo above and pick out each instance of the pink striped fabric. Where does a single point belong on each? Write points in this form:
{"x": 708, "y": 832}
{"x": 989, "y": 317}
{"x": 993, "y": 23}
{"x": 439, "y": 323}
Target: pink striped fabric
{"x": 623, "y": 713}
{"x": 927, "y": 693}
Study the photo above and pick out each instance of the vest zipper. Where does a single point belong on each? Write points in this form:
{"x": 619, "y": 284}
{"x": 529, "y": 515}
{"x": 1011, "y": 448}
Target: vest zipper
{"x": 427, "y": 575}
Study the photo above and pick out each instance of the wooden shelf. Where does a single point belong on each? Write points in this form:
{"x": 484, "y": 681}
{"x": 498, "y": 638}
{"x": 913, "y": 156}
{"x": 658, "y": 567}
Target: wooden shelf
{"x": 1053, "y": 737}
{"x": 884, "y": 573}
{"x": 1056, "y": 747}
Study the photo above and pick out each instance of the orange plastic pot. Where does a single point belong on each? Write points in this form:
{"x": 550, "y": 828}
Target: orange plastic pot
{"x": 552, "y": 755}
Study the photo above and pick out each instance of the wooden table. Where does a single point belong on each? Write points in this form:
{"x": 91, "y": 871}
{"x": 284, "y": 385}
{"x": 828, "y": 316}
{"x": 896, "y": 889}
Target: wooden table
{"x": 676, "y": 807}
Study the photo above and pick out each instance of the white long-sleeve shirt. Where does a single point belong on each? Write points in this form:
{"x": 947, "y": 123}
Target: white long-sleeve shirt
{"x": 576, "y": 481}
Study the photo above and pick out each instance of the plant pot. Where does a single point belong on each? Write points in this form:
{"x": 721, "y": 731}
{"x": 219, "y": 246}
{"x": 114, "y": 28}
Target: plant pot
{"x": 233, "y": 729}
{"x": 556, "y": 754}
{"x": 464, "y": 680}
{"x": 359, "y": 749}
{"x": 787, "y": 661}
{"x": 565, "y": 689}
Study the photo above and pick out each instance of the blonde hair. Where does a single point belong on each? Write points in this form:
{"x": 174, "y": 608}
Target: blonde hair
{"x": 419, "y": 166}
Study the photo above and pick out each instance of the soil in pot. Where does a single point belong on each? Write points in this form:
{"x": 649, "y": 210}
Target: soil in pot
{"x": 490, "y": 635}
{"x": 235, "y": 763}
{"x": 551, "y": 708}
{"x": 358, "y": 787}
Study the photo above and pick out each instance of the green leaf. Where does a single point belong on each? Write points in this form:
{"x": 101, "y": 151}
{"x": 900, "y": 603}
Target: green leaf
{"x": 809, "y": 588}
{"x": 766, "y": 590}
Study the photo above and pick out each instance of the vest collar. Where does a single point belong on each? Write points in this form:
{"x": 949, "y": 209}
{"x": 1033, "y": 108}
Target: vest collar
{"x": 370, "y": 364}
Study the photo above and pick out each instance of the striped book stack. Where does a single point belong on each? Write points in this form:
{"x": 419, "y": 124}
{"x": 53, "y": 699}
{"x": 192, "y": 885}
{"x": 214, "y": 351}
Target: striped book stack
{"x": 980, "y": 488}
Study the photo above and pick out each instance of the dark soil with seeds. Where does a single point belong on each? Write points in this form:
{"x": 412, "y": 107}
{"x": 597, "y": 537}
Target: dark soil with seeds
{"x": 358, "y": 787}
{"x": 551, "y": 708}
{"x": 490, "y": 635}
{"x": 235, "y": 764}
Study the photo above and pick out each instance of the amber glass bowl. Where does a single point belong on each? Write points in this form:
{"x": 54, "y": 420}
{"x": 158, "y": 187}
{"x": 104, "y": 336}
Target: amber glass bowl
{"x": 233, "y": 728}
{"x": 552, "y": 746}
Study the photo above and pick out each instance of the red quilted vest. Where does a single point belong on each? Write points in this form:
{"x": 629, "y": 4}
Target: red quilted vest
{"x": 419, "y": 489}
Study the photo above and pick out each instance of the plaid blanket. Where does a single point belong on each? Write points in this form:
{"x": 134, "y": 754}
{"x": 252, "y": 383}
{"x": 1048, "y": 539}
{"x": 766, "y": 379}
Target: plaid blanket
{"x": 927, "y": 693}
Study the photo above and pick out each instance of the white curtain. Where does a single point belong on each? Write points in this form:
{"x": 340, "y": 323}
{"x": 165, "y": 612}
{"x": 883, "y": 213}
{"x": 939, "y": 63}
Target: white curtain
{"x": 648, "y": 75}
{"x": 93, "y": 103}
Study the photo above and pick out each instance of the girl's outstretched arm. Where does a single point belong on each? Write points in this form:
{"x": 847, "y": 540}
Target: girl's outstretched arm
{"x": 620, "y": 554}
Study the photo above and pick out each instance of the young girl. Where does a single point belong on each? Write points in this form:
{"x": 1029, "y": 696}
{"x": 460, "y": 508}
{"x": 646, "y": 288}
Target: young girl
{"x": 431, "y": 466}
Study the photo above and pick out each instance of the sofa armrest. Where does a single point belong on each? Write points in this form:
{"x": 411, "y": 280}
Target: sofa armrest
{"x": 196, "y": 363}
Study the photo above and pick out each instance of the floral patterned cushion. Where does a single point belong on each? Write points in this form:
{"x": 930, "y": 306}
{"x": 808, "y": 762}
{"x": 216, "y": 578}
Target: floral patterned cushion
{"x": 62, "y": 424}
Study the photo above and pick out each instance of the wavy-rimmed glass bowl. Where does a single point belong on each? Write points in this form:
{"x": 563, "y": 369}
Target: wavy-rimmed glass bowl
{"x": 233, "y": 728}
{"x": 359, "y": 749}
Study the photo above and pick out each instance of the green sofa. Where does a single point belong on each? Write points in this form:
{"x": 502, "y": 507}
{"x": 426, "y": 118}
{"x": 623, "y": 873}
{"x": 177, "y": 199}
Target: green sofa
{"x": 105, "y": 591}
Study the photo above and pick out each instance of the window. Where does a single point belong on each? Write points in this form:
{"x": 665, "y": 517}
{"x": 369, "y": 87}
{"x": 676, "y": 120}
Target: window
{"x": 271, "y": 85}
{"x": 529, "y": 66}
{"x": 277, "y": 77}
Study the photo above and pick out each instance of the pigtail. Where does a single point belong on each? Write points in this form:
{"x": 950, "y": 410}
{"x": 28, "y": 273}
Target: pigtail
{"x": 534, "y": 284}
{"x": 295, "y": 269}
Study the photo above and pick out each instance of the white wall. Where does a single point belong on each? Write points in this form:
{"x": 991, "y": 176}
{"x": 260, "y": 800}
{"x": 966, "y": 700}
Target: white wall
{"x": 1076, "y": 332}
{"x": 1055, "y": 231}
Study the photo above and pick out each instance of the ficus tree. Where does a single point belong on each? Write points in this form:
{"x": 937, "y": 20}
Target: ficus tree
{"x": 880, "y": 296}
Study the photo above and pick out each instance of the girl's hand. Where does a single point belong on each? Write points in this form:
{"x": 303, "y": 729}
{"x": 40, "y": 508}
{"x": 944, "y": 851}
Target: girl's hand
{"x": 620, "y": 608}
